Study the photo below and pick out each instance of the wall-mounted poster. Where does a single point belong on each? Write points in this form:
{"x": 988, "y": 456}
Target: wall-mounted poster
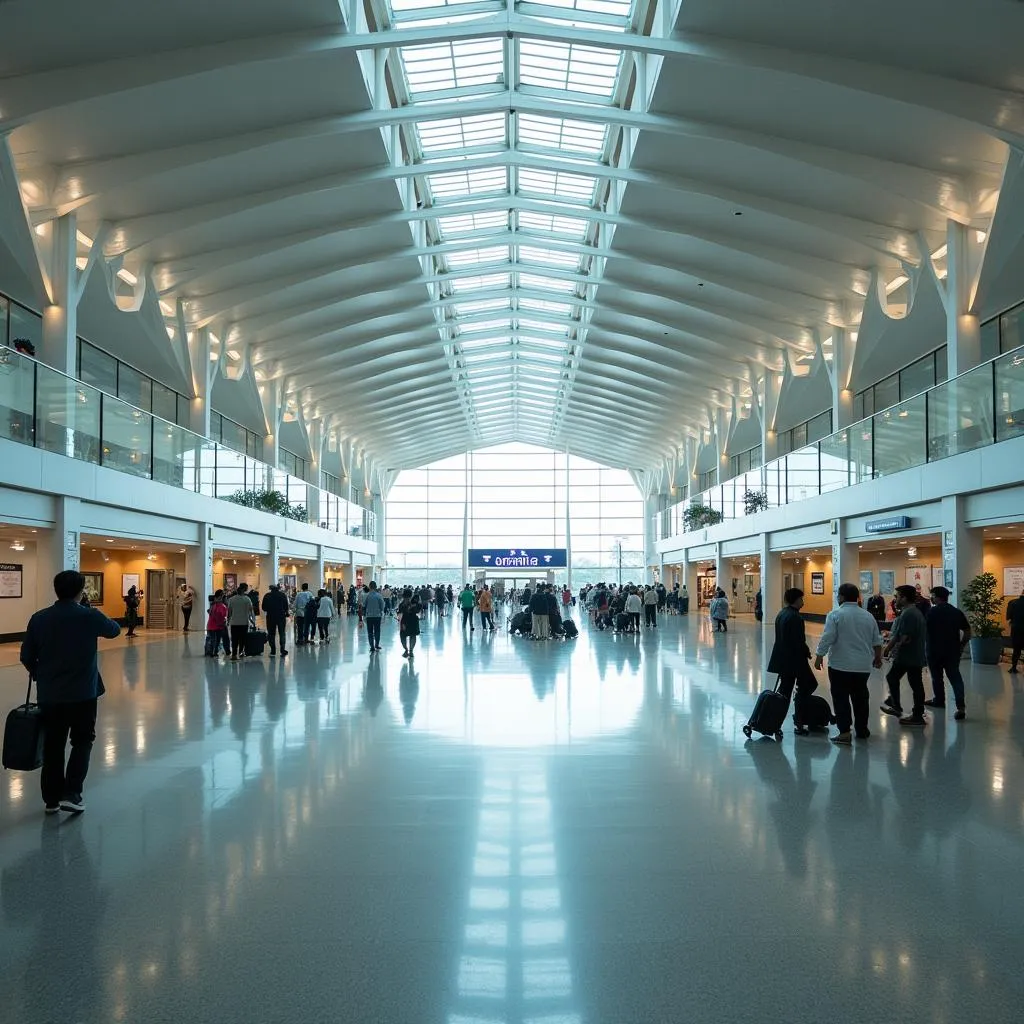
{"x": 1013, "y": 580}
{"x": 886, "y": 581}
{"x": 230, "y": 582}
{"x": 919, "y": 576}
{"x": 10, "y": 579}
{"x": 867, "y": 582}
{"x": 129, "y": 580}
{"x": 938, "y": 576}
{"x": 94, "y": 588}
{"x": 817, "y": 583}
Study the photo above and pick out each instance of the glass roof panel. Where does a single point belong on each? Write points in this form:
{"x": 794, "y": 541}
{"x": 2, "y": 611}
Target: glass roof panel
{"x": 480, "y": 281}
{"x": 472, "y": 306}
{"x": 457, "y": 224}
{"x": 570, "y": 67}
{"x": 578, "y": 187}
{"x": 553, "y": 224}
{"x": 455, "y": 185}
{"x": 616, "y": 8}
{"x": 491, "y": 326}
{"x": 471, "y": 257}
{"x": 548, "y": 257}
{"x": 562, "y": 134}
{"x": 409, "y": 7}
{"x": 461, "y": 64}
{"x": 550, "y": 284}
{"x": 453, "y": 133}
{"x": 541, "y": 325}
{"x": 545, "y": 306}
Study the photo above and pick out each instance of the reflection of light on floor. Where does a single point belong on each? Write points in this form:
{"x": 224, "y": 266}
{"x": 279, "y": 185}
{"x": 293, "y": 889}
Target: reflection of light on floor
{"x": 514, "y": 966}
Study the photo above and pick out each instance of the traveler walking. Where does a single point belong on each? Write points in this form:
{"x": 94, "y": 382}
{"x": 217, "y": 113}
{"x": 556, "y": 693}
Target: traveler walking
{"x": 373, "y": 611}
{"x": 1015, "y": 617}
{"x": 312, "y": 613}
{"x": 239, "y": 613}
{"x": 632, "y": 608}
{"x": 409, "y": 611}
{"x": 652, "y": 602}
{"x": 186, "y": 599}
{"x": 485, "y": 601}
{"x": 132, "y": 600}
{"x": 324, "y": 614}
{"x": 467, "y": 599}
{"x": 541, "y": 619}
{"x": 759, "y": 606}
{"x": 59, "y": 651}
{"x": 217, "y": 626}
{"x": 275, "y": 612}
{"x": 947, "y": 633}
{"x": 302, "y": 599}
{"x": 719, "y": 611}
{"x": 388, "y": 595}
{"x": 790, "y": 654}
{"x": 853, "y": 645}
{"x": 906, "y": 644}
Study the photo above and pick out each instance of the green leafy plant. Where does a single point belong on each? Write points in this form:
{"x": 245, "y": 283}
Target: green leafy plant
{"x": 269, "y": 501}
{"x": 755, "y": 501}
{"x": 697, "y": 516}
{"x": 981, "y": 604}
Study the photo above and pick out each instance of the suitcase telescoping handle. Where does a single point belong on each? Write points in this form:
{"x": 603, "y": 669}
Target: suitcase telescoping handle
{"x": 28, "y": 692}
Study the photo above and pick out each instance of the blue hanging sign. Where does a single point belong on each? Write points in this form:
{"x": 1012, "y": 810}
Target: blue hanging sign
{"x": 517, "y": 558}
{"x": 885, "y": 525}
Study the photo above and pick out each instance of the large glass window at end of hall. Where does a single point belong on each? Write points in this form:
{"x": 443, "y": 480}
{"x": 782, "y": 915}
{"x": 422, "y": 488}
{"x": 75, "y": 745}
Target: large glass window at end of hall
{"x": 514, "y": 495}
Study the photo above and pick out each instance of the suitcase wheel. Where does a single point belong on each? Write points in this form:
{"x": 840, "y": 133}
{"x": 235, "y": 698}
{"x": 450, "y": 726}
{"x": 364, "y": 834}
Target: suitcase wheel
{"x": 747, "y": 731}
{"x": 778, "y": 735}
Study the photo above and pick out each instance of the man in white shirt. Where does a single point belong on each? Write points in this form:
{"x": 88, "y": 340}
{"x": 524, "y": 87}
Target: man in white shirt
{"x": 853, "y": 645}
{"x": 302, "y": 598}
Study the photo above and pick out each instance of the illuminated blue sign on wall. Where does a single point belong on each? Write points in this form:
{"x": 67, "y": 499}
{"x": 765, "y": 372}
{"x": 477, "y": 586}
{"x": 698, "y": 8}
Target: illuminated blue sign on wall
{"x": 517, "y": 558}
{"x": 890, "y": 523}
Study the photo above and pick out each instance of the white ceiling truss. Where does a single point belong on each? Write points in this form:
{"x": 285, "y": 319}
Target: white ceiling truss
{"x": 439, "y": 225}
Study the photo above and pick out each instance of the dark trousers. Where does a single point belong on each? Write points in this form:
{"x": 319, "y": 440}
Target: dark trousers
{"x": 238, "y": 640}
{"x": 408, "y": 640}
{"x": 276, "y": 630}
{"x": 225, "y": 639}
{"x": 486, "y": 620}
{"x": 323, "y": 627}
{"x": 1017, "y": 644}
{"x": 308, "y": 628}
{"x": 913, "y": 674}
{"x": 373, "y": 631}
{"x": 721, "y": 625}
{"x": 76, "y": 721}
{"x": 650, "y": 614}
{"x": 634, "y": 622}
{"x": 850, "y": 690}
{"x": 467, "y": 616}
{"x": 804, "y": 683}
{"x": 951, "y": 666}
{"x": 186, "y": 614}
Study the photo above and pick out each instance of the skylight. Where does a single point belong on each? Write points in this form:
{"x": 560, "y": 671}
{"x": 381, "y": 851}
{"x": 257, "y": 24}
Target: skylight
{"x": 549, "y": 257}
{"x": 504, "y": 326}
{"x": 462, "y": 64}
{"x": 541, "y": 325}
{"x": 480, "y": 281}
{"x": 473, "y": 306}
{"x": 552, "y": 284}
{"x": 472, "y": 257}
{"x": 456, "y": 185}
{"x": 553, "y": 224}
{"x": 568, "y": 67}
{"x": 562, "y": 134}
{"x": 544, "y": 306}
{"x": 612, "y": 8}
{"x": 466, "y": 223}
{"x": 455, "y": 133}
{"x": 578, "y": 187}
{"x": 419, "y": 7}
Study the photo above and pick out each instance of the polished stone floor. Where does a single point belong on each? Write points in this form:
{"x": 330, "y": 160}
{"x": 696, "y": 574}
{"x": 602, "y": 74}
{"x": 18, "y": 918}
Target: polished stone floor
{"x": 508, "y": 832}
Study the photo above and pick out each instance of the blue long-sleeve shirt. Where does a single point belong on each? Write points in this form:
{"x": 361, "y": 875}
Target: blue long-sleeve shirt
{"x": 59, "y": 649}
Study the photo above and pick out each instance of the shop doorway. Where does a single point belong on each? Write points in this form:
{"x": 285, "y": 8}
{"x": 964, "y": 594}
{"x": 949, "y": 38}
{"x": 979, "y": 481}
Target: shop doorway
{"x": 160, "y": 598}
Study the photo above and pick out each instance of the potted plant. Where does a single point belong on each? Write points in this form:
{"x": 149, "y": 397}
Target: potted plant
{"x": 269, "y": 501}
{"x": 754, "y": 501}
{"x": 697, "y": 516}
{"x": 981, "y": 604}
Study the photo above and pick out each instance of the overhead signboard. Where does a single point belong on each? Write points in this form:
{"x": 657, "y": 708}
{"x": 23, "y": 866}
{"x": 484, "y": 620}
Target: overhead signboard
{"x": 517, "y": 558}
{"x": 887, "y": 524}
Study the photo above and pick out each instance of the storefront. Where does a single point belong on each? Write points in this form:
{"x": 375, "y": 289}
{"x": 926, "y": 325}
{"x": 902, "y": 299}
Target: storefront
{"x": 231, "y": 568}
{"x": 809, "y": 570}
{"x": 23, "y": 589}
{"x": 890, "y": 562}
{"x": 1003, "y": 555}
{"x": 741, "y": 582}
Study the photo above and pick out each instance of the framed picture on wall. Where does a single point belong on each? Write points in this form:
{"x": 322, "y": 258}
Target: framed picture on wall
{"x": 94, "y": 588}
{"x": 817, "y": 583}
{"x": 230, "y": 582}
{"x": 129, "y": 580}
{"x": 887, "y": 581}
{"x": 919, "y": 576}
{"x": 867, "y": 581}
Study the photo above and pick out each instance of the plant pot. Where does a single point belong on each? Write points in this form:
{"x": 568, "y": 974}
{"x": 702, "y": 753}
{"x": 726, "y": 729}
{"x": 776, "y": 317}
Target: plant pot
{"x": 986, "y": 650}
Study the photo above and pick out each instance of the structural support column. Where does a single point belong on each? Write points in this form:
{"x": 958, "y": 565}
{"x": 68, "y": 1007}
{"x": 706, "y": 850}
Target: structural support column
{"x": 840, "y": 374}
{"x": 199, "y": 566}
{"x": 963, "y": 329}
{"x": 845, "y": 560}
{"x": 962, "y": 547}
{"x": 720, "y": 570}
{"x": 64, "y": 547}
{"x": 771, "y": 596}
{"x": 768, "y": 407}
{"x": 60, "y": 317}
{"x": 465, "y": 540}
{"x": 272, "y": 401}
{"x": 317, "y": 569}
{"x": 273, "y": 562}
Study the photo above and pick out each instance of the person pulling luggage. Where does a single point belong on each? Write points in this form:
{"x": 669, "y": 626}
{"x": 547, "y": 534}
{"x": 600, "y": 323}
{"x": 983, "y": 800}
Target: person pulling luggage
{"x": 790, "y": 656}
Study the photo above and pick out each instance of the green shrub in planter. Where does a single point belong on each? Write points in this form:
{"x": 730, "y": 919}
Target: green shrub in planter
{"x": 755, "y": 501}
{"x": 697, "y": 516}
{"x": 273, "y": 502}
{"x": 981, "y": 604}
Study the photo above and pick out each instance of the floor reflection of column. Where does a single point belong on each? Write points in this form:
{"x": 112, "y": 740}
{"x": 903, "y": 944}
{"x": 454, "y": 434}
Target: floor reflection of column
{"x": 514, "y": 966}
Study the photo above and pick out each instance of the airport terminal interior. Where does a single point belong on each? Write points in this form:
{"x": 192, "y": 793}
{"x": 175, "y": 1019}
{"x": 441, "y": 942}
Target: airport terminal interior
{"x": 489, "y": 314}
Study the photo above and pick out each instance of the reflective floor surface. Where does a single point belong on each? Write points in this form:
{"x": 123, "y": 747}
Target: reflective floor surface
{"x": 510, "y": 832}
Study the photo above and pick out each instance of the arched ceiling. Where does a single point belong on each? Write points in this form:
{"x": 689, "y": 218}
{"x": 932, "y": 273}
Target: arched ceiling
{"x": 448, "y": 225}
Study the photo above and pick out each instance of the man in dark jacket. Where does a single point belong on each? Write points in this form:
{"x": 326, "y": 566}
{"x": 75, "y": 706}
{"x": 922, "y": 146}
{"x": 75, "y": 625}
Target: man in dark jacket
{"x": 1015, "y": 617}
{"x": 275, "y": 611}
{"x": 790, "y": 656}
{"x": 59, "y": 650}
{"x": 876, "y": 606}
{"x": 541, "y": 618}
{"x": 554, "y": 614}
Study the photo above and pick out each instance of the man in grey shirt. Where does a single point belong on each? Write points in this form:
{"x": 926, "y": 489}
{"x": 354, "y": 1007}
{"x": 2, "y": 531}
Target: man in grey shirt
{"x": 907, "y": 646}
{"x": 853, "y": 645}
{"x": 373, "y": 612}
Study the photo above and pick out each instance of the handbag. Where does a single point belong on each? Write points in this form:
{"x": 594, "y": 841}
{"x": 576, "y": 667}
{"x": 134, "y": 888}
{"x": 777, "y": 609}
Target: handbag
{"x": 23, "y": 736}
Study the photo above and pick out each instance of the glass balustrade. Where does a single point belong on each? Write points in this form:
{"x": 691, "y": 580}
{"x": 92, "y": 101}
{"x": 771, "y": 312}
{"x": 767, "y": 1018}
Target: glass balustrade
{"x": 41, "y": 407}
{"x": 976, "y": 409}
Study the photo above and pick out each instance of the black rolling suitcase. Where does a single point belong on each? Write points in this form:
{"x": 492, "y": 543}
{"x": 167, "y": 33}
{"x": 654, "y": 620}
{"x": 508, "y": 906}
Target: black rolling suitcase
{"x": 815, "y": 713}
{"x": 769, "y": 713}
{"x": 621, "y": 622}
{"x": 570, "y": 630}
{"x": 23, "y": 736}
{"x": 520, "y": 623}
{"x": 255, "y": 641}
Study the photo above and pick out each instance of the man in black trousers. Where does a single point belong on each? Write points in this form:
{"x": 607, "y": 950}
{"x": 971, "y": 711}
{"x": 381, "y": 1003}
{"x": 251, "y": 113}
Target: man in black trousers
{"x": 275, "y": 611}
{"x": 790, "y": 656}
{"x": 59, "y": 651}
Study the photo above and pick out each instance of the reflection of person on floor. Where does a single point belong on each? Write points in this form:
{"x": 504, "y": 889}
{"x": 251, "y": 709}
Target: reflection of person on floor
{"x": 408, "y": 691}
{"x": 373, "y": 687}
{"x": 217, "y": 692}
{"x": 790, "y": 655}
